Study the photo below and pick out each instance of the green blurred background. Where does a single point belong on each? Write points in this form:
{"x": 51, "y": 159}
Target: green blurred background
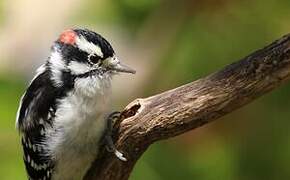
{"x": 170, "y": 43}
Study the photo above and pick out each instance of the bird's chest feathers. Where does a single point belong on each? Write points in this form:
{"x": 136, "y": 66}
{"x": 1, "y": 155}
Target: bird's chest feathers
{"x": 80, "y": 116}
{"x": 80, "y": 124}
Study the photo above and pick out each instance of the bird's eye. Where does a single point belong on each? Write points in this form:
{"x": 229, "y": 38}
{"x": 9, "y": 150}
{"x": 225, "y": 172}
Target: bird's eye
{"x": 94, "y": 59}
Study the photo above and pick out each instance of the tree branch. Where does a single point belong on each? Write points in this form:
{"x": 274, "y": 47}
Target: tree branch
{"x": 179, "y": 110}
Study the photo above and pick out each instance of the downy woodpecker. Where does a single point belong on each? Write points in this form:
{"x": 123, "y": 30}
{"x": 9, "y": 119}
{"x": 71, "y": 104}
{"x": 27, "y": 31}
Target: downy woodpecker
{"x": 62, "y": 115}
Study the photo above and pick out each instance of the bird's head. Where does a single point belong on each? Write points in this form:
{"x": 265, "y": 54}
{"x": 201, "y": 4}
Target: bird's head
{"x": 84, "y": 53}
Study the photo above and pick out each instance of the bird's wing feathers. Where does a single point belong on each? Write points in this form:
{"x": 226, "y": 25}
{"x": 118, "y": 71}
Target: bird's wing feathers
{"x": 36, "y": 102}
{"x": 38, "y": 164}
{"x": 36, "y": 113}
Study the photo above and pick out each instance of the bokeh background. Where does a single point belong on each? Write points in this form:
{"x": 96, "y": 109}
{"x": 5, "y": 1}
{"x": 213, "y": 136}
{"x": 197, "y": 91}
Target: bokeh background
{"x": 169, "y": 43}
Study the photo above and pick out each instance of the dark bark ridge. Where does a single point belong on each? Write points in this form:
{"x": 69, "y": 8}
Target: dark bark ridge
{"x": 171, "y": 113}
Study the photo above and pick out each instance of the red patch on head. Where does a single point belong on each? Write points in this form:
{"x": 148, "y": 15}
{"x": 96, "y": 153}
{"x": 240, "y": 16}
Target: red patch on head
{"x": 68, "y": 37}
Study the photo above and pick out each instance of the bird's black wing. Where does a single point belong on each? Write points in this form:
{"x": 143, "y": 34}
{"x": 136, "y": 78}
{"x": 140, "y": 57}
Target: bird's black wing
{"x": 36, "y": 113}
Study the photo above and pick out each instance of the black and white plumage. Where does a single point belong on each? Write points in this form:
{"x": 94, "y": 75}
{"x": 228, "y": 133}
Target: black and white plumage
{"x": 61, "y": 116}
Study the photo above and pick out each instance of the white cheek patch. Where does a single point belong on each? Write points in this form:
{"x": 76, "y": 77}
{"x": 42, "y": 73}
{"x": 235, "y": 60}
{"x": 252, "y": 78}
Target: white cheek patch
{"x": 88, "y": 47}
{"x": 78, "y": 67}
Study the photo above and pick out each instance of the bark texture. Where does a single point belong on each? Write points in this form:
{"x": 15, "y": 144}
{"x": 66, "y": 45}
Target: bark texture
{"x": 179, "y": 110}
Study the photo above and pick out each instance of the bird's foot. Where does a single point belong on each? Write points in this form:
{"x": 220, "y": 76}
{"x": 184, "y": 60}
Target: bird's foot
{"x": 110, "y": 146}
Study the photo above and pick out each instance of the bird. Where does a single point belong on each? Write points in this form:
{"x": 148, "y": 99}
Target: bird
{"x": 62, "y": 116}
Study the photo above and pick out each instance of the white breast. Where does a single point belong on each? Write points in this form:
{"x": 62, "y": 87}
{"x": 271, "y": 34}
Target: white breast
{"x": 79, "y": 125}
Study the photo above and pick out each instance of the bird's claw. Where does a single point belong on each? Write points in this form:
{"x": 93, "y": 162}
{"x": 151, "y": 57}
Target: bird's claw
{"x": 110, "y": 147}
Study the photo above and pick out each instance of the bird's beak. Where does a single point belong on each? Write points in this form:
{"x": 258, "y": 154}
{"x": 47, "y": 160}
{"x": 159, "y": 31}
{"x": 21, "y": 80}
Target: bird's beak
{"x": 123, "y": 68}
{"x": 114, "y": 64}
